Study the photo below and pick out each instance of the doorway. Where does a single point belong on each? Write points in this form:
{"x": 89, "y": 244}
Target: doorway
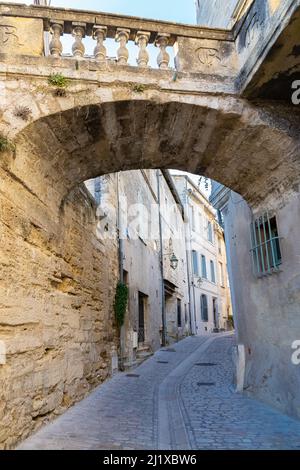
{"x": 215, "y": 313}
{"x": 142, "y": 308}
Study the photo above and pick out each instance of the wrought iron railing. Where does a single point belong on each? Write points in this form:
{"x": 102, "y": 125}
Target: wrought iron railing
{"x": 141, "y": 335}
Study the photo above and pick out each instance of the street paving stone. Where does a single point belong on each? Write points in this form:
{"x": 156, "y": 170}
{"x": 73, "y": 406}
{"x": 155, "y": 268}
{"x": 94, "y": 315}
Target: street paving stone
{"x": 122, "y": 413}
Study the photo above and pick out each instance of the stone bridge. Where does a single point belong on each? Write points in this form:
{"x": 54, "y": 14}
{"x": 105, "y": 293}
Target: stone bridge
{"x": 195, "y": 116}
{"x": 223, "y": 110}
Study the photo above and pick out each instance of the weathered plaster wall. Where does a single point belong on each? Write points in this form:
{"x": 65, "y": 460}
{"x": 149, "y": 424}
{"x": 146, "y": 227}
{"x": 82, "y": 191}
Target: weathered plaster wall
{"x": 57, "y": 288}
{"x": 173, "y": 233}
{"x": 224, "y": 288}
{"x": 138, "y": 192}
{"x": 267, "y": 309}
{"x": 266, "y": 45}
{"x": 215, "y": 13}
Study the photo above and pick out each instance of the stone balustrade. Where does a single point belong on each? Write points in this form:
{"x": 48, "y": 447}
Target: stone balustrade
{"x": 122, "y": 36}
{"x": 212, "y": 52}
{"x": 195, "y": 48}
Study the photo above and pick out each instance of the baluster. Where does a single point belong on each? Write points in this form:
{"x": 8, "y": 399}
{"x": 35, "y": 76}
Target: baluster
{"x": 78, "y": 33}
{"x": 55, "y": 46}
{"x": 142, "y": 40}
{"x": 122, "y": 36}
{"x": 163, "y": 58}
{"x": 99, "y": 34}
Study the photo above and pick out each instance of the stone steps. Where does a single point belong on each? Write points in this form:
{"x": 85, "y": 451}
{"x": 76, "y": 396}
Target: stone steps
{"x": 143, "y": 353}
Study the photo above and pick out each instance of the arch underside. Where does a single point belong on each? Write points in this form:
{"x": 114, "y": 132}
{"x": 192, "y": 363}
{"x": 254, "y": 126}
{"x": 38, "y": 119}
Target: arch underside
{"x": 244, "y": 147}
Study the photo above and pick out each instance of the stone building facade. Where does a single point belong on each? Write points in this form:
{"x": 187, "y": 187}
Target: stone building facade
{"x": 210, "y": 292}
{"x": 176, "y": 280}
{"x": 268, "y": 243}
{"x": 151, "y": 229}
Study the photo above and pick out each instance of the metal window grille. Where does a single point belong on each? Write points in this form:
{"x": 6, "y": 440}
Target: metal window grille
{"x": 265, "y": 241}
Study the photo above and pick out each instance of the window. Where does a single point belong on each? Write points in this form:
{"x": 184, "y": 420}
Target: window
{"x": 98, "y": 190}
{"x": 209, "y": 232}
{"x": 265, "y": 241}
{"x": 220, "y": 245}
{"x": 204, "y": 308}
{"x": 203, "y": 266}
{"x": 179, "y": 312}
{"x": 221, "y": 272}
{"x": 193, "y": 218}
{"x": 212, "y": 272}
{"x": 195, "y": 263}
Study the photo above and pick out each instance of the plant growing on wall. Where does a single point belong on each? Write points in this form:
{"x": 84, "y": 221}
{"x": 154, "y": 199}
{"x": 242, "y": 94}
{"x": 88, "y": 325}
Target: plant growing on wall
{"x": 138, "y": 87}
{"x": 23, "y": 112}
{"x": 121, "y": 300}
{"x": 58, "y": 80}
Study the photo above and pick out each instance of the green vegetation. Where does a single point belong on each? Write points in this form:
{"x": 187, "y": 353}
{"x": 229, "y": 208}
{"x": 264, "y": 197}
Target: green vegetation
{"x": 121, "y": 300}
{"x": 58, "y": 80}
{"x": 138, "y": 88}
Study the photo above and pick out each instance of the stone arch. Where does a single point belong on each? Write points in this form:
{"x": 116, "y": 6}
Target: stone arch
{"x": 251, "y": 148}
{"x": 54, "y": 301}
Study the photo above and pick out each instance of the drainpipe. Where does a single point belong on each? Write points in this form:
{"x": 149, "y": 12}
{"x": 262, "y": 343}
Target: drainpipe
{"x": 189, "y": 263}
{"x": 119, "y": 231}
{"x": 121, "y": 277}
{"x": 191, "y": 303}
{"x": 163, "y": 310}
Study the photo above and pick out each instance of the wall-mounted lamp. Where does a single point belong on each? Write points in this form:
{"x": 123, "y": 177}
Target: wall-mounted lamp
{"x": 173, "y": 261}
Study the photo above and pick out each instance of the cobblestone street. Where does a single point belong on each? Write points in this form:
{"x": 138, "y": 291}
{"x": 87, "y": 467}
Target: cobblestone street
{"x": 181, "y": 398}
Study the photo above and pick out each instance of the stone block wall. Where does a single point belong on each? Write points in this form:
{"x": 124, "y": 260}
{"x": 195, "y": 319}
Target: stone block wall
{"x": 57, "y": 290}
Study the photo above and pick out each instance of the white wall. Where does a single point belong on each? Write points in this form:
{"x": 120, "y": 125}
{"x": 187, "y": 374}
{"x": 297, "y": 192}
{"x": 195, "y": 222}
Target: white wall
{"x": 267, "y": 309}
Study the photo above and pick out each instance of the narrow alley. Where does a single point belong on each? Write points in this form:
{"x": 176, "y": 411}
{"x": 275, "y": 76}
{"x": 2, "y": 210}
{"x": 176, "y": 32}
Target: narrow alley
{"x": 181, "y": 398}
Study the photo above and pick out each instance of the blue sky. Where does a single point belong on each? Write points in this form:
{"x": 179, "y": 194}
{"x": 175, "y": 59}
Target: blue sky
{"x": 182, "y": 11}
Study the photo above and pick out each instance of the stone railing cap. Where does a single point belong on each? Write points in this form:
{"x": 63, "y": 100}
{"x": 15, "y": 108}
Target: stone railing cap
{"x": 112, "y": 22}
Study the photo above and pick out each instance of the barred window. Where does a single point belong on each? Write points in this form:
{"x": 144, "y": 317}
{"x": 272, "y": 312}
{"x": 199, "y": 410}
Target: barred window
{"x": 265, "y": 240}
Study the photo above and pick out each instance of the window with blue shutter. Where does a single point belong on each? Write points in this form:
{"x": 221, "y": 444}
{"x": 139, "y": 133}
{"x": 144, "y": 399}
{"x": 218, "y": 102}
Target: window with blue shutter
{"x": 212, "y": 272}
{"x": 195, "y": 263}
